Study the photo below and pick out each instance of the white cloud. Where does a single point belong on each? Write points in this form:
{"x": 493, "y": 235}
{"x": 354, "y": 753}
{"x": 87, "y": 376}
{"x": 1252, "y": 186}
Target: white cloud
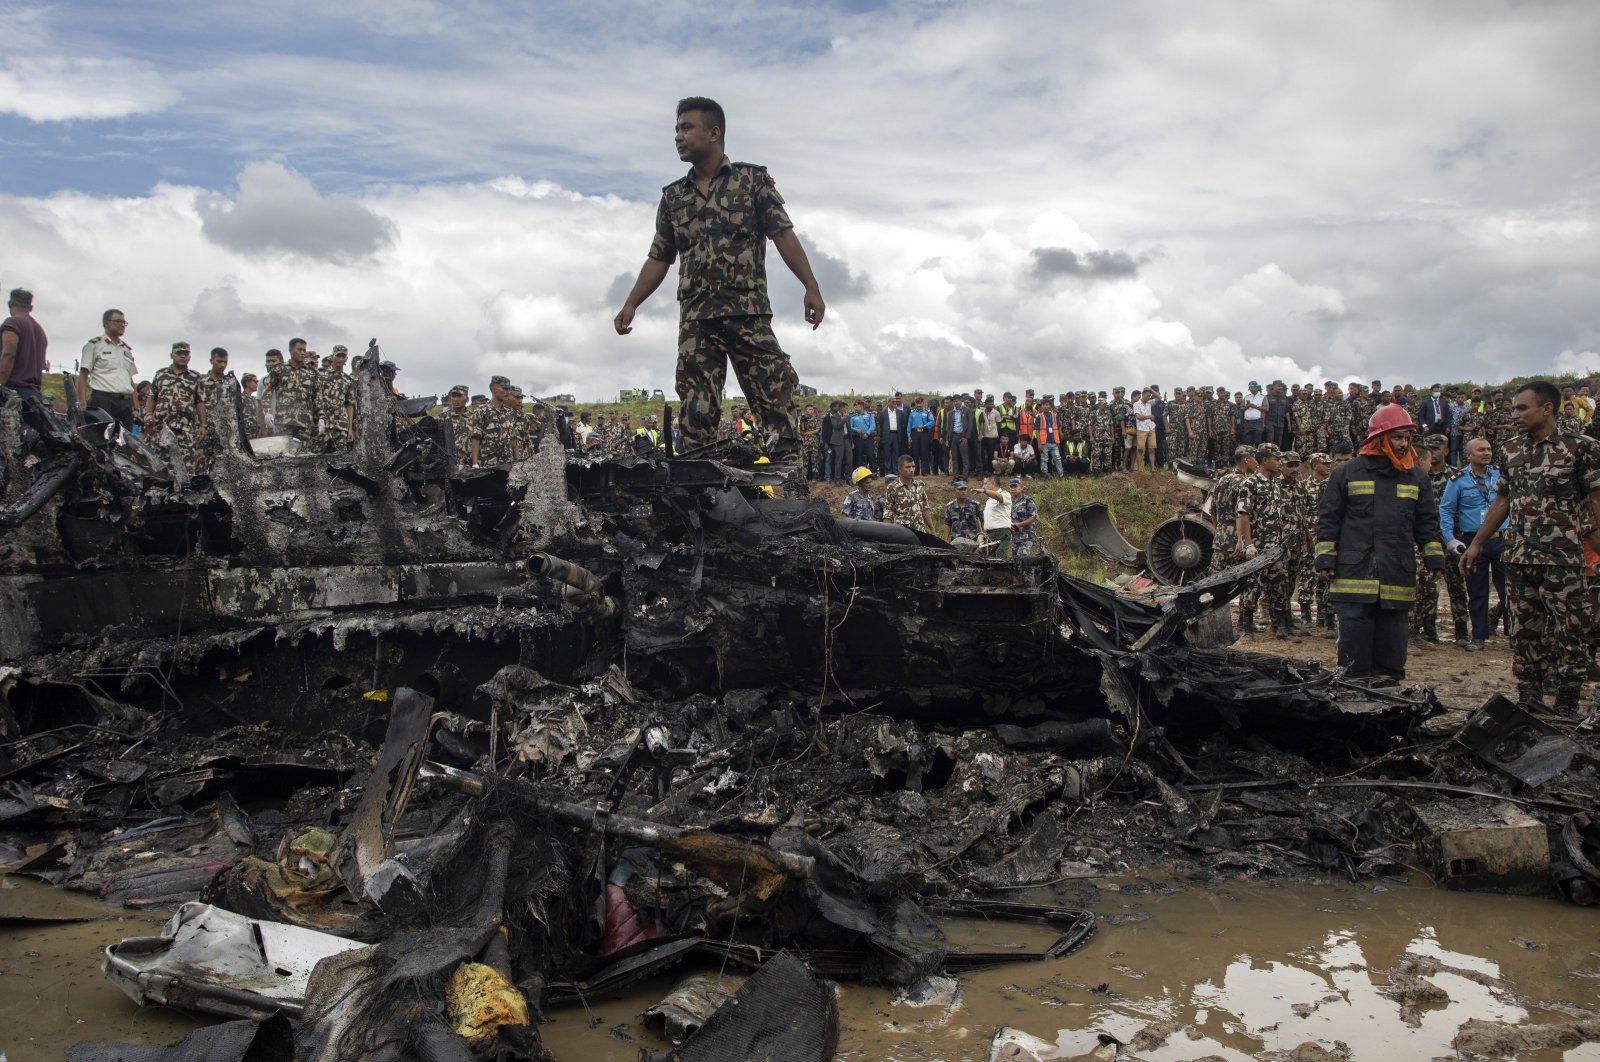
{"x": 277, "y": 210}
{"x": 54, "y": 88}
{"x": 1577, "y": 363}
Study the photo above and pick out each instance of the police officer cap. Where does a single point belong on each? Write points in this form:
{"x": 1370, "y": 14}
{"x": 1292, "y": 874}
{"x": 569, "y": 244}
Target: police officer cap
{"x": 1013, "y": 482}
{"x": 1268, "y": 450}
{"x": 959, "y": 484}
{"x": 1243, "y": 451}
{"x": 458, "y": 389}
{"x": 1291, "y": 457}
{"x": 503, "y": 381}
{"x": 340, "y": 348}
{"x": 1433, "y": 442}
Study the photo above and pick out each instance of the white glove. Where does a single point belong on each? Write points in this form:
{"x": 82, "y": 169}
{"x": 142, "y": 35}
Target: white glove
{"x": 1250, "y": 551}
{"x": 1457, "y": 547}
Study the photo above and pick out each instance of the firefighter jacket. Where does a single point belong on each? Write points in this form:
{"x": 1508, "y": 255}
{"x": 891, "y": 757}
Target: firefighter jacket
{"x": 1372, "y": 522}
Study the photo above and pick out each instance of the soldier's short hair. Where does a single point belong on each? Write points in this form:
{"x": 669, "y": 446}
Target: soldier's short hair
{"x": 1543, "y": 391}
{"x": 295, "y": 340}
{"x": 107, "y": 315}
{"x": 708, "y": 107}
{"x": 218, "y": 350}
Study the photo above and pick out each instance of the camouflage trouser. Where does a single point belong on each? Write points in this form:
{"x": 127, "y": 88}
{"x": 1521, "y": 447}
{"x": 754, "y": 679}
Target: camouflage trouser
{"x": 1102, "y": 453}
{"x": 1178, "y": 442}
{"x": 1222, "y": 550}
{"x": 1557, "y": 612}
{"x": 1309, "y": 590}
{"x": 813, "y": 459}
{"x": 1024, "y": 543}
{"x": 1455, "y": 585}
{"x": 332, "y": 441}
{"x": 1222, "y": 451}
{"x": 705, "y": 347}
{"x": 1426, "y": 606}
{"x": 1277, "y": 584}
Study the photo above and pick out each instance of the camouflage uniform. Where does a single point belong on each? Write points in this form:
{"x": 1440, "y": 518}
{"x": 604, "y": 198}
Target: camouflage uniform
{"x": 1224, "y": 509}
{"x": 335, "y": 391}
{"x": 294, "y": 391}
{"x": 1501, "y": 431}
{"x": 1310, "y": 590}
{"x": 206, "y": 449}
{"x": 460, "y": 434}
{"x": 1262, "y": 500}
{"x": 1361, "y": 406}
{"x": 859, "y": 506}
{"x": 175, "y": 392}
{"x": 1425, "y": 614}
{"x": 1547, "y": 484}
{"x": 724, "y": 314}
{"x": 1220, "y": 426}
{"x": 250, "y": 411}
{"x": 1177, "y": 427}
{"x": 1024, "y": 540}
{"x": 907, "y": 505}
{"x": 497, "y": 430}
{"x": 1199, "y": 429}
{"x": 1336, "y": 414}
{"x": 1105, "y": 442}
{"x": 964, "y": 519}
{"x": 810, "y": 444}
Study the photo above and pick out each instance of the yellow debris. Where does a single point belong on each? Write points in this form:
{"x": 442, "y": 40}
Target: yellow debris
{"x": 478, "y": 1000}
{"x": 376, "y": 695}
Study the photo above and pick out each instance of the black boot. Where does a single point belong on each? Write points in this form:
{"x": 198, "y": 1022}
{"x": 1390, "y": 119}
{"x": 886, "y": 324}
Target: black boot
{"x": 1567, "y": 702}
{"x": 1282, "y": 624}
{"x": 1461, "y": 633}
{"x": 1330, "y": 623}
{"x": 1430, "y": 629}
{"x": 1305, "y": 613}
{"x": 1247, "y": 623}
{"x": 1530, "y": 698}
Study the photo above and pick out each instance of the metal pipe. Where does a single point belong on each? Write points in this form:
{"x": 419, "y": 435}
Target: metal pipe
{"x": 875, "y": 531}
{"x": 583, "y": 588}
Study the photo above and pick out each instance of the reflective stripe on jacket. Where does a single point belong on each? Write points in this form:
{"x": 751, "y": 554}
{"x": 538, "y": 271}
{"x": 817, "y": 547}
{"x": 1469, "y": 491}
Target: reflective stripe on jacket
{"x": 1372, "y": 522}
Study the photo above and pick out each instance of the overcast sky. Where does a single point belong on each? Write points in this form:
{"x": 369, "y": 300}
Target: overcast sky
{"x": 998, "y": 194}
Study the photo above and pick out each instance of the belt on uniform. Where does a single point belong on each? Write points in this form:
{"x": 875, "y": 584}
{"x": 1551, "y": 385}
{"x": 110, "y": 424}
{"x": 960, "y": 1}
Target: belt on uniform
{"x": 1475, "y": 530}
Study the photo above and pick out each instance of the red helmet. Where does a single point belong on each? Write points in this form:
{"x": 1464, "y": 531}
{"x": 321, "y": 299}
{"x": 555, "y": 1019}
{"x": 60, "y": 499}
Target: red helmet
{"x": 1388, "y": 418}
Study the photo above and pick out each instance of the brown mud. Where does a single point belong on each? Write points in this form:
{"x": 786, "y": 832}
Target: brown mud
{"x": 1175, "y": 972}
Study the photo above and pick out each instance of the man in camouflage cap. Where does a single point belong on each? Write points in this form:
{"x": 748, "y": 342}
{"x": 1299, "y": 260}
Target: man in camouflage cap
{"x": 459, "y": 421}
{"x": 1550, "y": 487}
{"x": 336, "y": 405}
{"x": 293, "y": 391}
{"x": 1224, "y": 506}
{"x": 1263, "y": 521}
{"x": 497, "y": 428}
{"x": 174, "y": 403}
{"x": 717, "y": 219}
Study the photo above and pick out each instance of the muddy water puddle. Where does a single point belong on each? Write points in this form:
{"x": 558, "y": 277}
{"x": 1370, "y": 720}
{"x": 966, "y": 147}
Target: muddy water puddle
{"x": 1228, "y": 972}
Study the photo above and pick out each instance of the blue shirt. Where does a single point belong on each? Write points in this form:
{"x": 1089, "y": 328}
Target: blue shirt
{"x": 1466, "y": 499}
{"x": 920, "y": 418}
{"x": 866, "y": 423}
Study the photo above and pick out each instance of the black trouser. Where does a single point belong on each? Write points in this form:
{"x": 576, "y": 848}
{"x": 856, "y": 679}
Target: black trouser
{"x": 889, "y": 459}
{"x": 1372, "y": 639}
{"x": 119, "y": 406}
{"x": 1489, "y": 566}
{"x": 922, "y": 451}
{"x": 861, "y": 456}
{"x": 1250, "y": 432}
{"x": 941, "y": 457}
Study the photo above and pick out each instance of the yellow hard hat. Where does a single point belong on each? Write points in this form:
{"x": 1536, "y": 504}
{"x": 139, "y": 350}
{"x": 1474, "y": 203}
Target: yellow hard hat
{"x": 860, "y": 474}
{"x": 763, "y": 460}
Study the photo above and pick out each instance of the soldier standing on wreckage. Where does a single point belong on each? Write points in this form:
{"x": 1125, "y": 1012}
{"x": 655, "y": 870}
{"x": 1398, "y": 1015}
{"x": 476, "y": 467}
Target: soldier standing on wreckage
{"x": 208, "y": 443}
{"x": 1377, "y": 513}
{"x": 1550, "y": 487}
{"x": 174, "y": 403}
{"x": 717, "y": 219}
{"x": 1309, "y": 589}
{"x": 293, "y": 388}
{"x": 336, "y": 404}
{"x": 497, "y": 428}
{"x": 460, "y": 421}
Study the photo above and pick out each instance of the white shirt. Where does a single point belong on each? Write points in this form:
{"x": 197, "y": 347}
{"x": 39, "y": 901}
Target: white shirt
{"x": 110, "y": 365}
{"x": 1254, "y": 403}
{"x": 997, "y": 514}
{"x": 1143, "y": 418}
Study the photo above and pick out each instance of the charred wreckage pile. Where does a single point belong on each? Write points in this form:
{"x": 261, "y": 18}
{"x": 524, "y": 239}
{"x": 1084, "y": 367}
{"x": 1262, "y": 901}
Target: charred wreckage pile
{"x": 418, "y": 751}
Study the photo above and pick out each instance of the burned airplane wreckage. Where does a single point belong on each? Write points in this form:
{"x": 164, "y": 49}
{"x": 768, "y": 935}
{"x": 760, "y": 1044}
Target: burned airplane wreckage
{"x": 457, "y": 744}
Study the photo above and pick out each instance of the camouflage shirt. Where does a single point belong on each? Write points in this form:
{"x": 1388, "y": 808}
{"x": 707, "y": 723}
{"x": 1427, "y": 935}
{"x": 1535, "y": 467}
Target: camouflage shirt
{"x": 1224, "y": 510}
{"x": 1548, "y": 484}
{"x": 291, "y": 396}
{"x": 1023, "y": 508}
{"x": 1262, "y": 500}
{"x": 175, "y": 391}
{"x": 907, "y": 504}
{"x": 497, "y": 432}
{"x": 859, "y": 506}
{"x": 722, "y": 239}
{"x": 964, "y": 518}
{"x": 460, "y": 434}
{"x": 335, "y": 391}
